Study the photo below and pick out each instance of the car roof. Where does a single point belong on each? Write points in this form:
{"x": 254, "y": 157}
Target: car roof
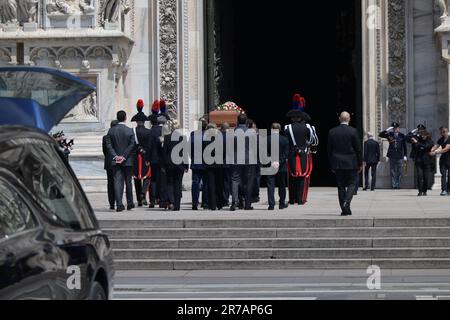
{"x": 9, "y": 133}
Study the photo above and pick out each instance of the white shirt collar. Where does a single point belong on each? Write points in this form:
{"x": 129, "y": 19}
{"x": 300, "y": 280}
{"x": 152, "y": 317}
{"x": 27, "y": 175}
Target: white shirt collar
{"x": 345, "y": 123}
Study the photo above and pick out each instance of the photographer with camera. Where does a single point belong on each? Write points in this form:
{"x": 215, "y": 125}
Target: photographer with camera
{"x": 65, "y": 145}
{"x": 422, "y": 144}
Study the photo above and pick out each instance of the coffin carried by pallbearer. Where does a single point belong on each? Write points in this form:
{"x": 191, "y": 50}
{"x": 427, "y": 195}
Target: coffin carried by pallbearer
{"x": 226, "y": 113}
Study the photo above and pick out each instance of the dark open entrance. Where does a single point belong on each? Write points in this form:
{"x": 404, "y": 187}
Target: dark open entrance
{"x": 264, "y": 52}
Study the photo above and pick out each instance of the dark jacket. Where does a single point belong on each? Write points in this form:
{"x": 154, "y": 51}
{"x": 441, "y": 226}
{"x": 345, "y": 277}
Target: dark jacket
{"x": 195, "y": 141}
{"x": 397, "y": 145}
{"x": 167, "y": 150}
{"x": 421, "y": 151}
{"x": 372, "y": 152}
{"x": 108, "y": 157}
{"x": 248, "y": 148}
{"x": 302, "y": 136}
{"x": 344, "y": 148}
{"x": 120, "y": 141}
{"x": 284, "y": 150}
{"x": 154, "y": 154}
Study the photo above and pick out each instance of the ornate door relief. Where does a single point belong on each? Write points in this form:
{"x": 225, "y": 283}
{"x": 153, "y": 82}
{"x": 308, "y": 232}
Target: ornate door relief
{"x": 444, "y": 32}
{"x": 397, "y": 52}
{"x": 168, "y": 45}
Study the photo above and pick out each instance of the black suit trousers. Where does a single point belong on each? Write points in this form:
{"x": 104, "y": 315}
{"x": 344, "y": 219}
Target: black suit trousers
{"x": 243, "y": 177}
{"x": 175, "y": 186}
{"x": 346, "y": 181}
{"x": 111, "y": 192}
{"x": 123, "y": 179}
{"x": 371, "y": 168}
{"x": 215, "y": 185}
{"x": 272, "y": 181}
{"x": 424, "y": 172}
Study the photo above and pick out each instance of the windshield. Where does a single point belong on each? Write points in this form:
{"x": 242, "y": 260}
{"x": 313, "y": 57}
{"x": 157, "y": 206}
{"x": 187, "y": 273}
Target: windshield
{"x": 44, "y": 88}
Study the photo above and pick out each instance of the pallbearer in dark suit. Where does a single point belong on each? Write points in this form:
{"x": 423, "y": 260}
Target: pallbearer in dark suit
{"x": 371, "y": 160}
{"x": 174, "y": 170}
{"x": 397, "y": 153}
{"x": 281, "y": 177}
{"x": 345, "y": 156}
{"x": 142, "y": 172}
{"x": 109, "y": 170}
{"x": 302, "y": 141}
{"x": 120, "y": 143}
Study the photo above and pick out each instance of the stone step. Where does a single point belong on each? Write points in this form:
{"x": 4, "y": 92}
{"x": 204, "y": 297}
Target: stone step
{"x": 275, "y": 223}
{"x": 205, "y": 243}
{"x": 182, "y": 233}
{"x": 271, "y": 264}
{"x": 270, "y": 254}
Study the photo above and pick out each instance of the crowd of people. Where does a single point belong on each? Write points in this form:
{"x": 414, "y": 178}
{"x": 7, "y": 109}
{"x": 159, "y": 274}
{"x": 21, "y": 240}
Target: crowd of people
{"x": 147, "y": 157}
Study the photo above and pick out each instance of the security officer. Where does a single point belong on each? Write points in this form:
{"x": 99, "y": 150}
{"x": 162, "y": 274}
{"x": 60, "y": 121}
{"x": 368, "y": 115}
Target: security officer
{"x": 397, "y": 152}
{"x": 302, "y": 137}
{"x": 142, "y": 172}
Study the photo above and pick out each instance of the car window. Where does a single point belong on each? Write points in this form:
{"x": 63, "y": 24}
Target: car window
{"x": 15, "y": 216}
{"x": 44, "y": 172}
{"x": 42, "y": 87}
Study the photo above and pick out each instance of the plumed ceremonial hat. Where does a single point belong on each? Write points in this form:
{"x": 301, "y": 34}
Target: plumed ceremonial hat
{"x": 298, "y": 108}
{"x": 140, "y": 117}
{"x": 156, "y": 107}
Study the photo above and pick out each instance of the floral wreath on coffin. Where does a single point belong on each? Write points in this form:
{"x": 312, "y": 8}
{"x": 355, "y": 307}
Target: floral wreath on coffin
{"x": 230, "y": 106}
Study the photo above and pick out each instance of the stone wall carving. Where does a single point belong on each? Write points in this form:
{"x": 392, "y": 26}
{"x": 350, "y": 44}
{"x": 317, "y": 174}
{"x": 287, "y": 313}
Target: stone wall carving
{"x": 69, "y": 7}
{"x": 8, "y": 11}
{"x": 5, "y": 56}
{"x": 397, "y": 82}
{"x": 168, "y": 43}
{"x": 443, "y": 5}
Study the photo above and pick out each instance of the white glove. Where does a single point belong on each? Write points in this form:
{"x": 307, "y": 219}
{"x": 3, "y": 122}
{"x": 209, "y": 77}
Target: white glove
{"x": 276, "y": 165}
{"x": 390, "y": 129}
{"x": 405, "y": 158}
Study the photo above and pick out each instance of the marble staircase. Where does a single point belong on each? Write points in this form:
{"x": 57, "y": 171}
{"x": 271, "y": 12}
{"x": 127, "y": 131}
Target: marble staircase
{"x": 357, "y": 243}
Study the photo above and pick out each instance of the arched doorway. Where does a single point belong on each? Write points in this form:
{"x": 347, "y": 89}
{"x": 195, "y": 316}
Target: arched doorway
{"x": 260, "y": 55}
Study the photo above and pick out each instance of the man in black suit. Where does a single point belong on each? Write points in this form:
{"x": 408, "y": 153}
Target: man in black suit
{"x": 345, "y": 156}
{"x": 109, "y": 170}
{"x": 281, "y": 176}
{"x": 243, "y": 171}
{"x": 371, "y": 160}
{"x": 120, "y": 143}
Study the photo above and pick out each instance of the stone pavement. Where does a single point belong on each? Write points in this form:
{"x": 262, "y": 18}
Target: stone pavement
{"x": 322, "y": 203}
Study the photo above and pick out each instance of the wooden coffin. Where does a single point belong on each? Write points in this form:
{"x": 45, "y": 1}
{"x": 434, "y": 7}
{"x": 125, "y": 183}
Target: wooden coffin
{"x": 221, "y": 117}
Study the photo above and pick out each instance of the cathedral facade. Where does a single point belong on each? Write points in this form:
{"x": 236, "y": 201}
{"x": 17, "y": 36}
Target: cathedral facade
{"x": 150, "y": 49}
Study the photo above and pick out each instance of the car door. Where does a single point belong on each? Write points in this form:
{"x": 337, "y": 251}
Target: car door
{"x": 70, "y": 218}
{"x": 28, "y": 259}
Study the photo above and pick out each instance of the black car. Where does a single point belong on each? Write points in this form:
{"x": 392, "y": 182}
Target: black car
{"x": 51, "y": 245}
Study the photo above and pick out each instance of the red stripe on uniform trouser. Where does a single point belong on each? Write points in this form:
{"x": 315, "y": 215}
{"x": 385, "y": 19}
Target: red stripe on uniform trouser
{"x": 298, "y": 166}
{"x": 139, "y": 166}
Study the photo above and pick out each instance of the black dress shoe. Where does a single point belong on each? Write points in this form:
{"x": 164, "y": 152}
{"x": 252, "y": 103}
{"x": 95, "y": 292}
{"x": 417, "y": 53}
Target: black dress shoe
{"x": 112, "y": 208}
{"x": 120, "y": 208}
{"x": 130, "y": 207}
{"x": 140, "y": 204}
{"x": 249, "y": 209}
{"x": 420, "y": 194}
{"x": 284, "y": 206}
{"x": 271, "y": 208}
{"x": 241, "y": 206}
{"x": 194, "y": 208}
{"x": 233, "y": 207}
{"x": 144, "y": 203}
{"x": 152, "y": 205}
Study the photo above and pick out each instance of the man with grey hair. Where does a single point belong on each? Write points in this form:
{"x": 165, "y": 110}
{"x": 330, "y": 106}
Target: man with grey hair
{"x": 345, "y": 156}
{"x": 371, "y": 159}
